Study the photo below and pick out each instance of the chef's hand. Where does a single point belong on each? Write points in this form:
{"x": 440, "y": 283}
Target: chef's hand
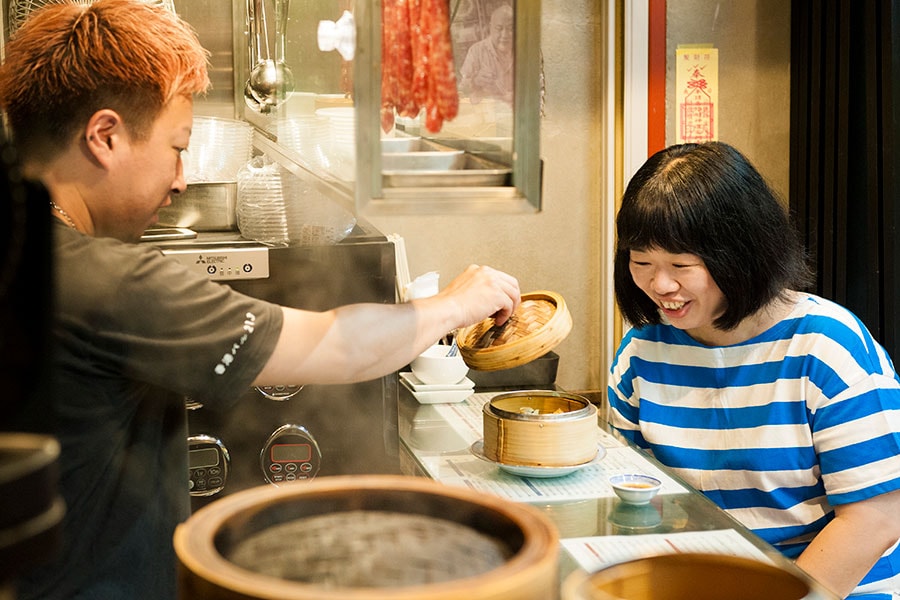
{"x": 482, "y": 292}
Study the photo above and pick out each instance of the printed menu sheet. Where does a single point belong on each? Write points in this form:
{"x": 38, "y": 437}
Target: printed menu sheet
{"x": 594, "y": 553}
{"x": 467, "y": 470}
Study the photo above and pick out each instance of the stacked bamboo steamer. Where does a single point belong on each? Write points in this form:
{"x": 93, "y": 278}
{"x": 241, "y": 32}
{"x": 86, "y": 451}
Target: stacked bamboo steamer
{"x": 535, "y": 428}
{"x": 538, "y": 325}
{"x": 540, "y": 428}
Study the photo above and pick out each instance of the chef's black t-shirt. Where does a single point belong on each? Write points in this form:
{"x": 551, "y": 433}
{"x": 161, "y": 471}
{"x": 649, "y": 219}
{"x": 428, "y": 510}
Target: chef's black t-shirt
{"x": 135, "y": 332}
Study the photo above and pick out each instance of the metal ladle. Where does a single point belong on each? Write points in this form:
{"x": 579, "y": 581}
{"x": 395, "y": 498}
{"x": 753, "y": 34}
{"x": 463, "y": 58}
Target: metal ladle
{"x": 271, "y": 80}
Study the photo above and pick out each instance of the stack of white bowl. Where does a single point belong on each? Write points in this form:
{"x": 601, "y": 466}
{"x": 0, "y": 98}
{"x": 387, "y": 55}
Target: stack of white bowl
{"x": 218, "y": 149}
{"x": 342, "y": 139}
{"x": 308, "y": 136}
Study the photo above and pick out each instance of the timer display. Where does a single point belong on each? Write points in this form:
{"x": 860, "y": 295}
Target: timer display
{"x": 291, "y": 452}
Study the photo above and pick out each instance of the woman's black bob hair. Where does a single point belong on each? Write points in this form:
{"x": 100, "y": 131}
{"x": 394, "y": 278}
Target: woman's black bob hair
{"x": 708, "y": 200}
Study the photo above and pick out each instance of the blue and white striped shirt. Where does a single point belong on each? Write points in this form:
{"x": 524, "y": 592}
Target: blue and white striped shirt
{"x": 775, "y": 430}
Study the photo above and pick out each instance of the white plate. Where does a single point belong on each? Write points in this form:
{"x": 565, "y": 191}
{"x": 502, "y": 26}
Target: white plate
{"x": 416, "y": 385}
{"x": 437, "y": 394}
{"x": 530, "y": 471}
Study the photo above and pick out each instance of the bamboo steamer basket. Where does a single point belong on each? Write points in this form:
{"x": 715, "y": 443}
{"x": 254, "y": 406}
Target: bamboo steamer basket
{"x": 267, "y": 525}
{"x": 539, "y": 324}
{"x": 540, "y": 428}
{"x": 692, "y": 576}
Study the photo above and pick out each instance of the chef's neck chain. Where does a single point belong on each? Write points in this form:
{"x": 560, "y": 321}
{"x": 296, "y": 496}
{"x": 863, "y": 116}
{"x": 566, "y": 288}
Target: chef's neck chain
{"x": 63, "y": 214}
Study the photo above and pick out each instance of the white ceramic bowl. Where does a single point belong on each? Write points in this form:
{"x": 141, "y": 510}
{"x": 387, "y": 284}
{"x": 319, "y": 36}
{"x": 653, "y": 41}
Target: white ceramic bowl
{"x": 634, "y": 488}
{"x": 434, "y": 367}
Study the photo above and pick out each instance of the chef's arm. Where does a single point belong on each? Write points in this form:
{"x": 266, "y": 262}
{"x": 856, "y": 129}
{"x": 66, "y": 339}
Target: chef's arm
{"x": 360, "y": 342}
{"x": 845, "y": 550}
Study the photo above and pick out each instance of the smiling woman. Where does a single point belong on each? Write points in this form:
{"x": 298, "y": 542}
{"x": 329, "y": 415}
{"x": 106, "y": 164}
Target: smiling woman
{"x": 707, "y": 202}
{"x": 758, "y": 394}
{"x": 681, "y": 286}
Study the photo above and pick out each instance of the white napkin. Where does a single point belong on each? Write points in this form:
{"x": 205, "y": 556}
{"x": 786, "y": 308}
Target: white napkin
{"x": 423, "y": 286}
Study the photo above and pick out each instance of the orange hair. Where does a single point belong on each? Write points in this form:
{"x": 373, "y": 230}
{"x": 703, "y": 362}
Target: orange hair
{"x": 68, "y": 61}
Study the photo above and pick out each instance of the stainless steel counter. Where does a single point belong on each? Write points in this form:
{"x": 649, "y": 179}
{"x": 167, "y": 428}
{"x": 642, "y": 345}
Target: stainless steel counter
{"x": 435, "y": 441}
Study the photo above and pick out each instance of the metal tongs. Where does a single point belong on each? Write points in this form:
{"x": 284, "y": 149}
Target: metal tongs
{"x": 487, "y": 338}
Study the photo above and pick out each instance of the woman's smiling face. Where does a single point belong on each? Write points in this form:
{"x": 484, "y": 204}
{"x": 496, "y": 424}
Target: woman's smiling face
{"x": 683, "y": 289}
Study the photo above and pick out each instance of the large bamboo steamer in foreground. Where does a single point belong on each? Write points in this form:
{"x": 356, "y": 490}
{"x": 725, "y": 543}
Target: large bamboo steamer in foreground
{"x": 414, "y": 538}
{"x": 692, "y": 576}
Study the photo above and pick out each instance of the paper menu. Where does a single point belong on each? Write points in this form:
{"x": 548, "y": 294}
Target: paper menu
{"x": 594, "y": 553}
{"x": 590, "y": 482}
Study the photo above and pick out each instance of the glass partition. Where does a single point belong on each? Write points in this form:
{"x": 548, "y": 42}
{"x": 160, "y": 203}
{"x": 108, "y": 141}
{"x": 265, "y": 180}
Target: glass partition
{"x": 385, "y": 109}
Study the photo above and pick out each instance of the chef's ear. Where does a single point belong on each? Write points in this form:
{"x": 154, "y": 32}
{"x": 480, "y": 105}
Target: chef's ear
{"x": 102, "y": 134}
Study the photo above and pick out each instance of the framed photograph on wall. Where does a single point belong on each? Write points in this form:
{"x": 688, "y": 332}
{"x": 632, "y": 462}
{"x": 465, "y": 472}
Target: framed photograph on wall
{"x": 483, "y": 33}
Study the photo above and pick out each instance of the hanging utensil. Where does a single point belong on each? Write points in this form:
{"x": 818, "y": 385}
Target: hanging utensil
{"x": 270, "y": 78}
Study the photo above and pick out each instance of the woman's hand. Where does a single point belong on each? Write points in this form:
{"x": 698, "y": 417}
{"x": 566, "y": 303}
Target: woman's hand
{"x": 847, "y": 548}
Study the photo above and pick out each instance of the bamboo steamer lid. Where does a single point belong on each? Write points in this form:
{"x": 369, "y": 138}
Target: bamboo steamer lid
{"x": 537, "y": 326}
{"x": 540, "y": 428}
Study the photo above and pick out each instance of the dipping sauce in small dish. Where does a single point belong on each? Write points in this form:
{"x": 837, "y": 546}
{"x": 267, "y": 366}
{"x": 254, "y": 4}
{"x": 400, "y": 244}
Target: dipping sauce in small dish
{"x": 635, "y": 488}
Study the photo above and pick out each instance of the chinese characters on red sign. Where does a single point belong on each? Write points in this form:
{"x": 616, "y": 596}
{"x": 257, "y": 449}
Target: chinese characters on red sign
{"x": 697, "y": 83}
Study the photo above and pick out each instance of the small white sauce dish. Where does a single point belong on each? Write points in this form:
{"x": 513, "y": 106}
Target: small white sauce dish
{"x": 634, "y": 488}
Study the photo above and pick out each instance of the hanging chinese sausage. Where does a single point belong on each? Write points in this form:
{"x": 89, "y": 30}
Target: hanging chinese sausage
{"x": 417, "y": 70}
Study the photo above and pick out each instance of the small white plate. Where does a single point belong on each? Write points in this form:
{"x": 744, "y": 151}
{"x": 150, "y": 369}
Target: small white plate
{"x": 530, "y": 471}
{"x": 416, "y": 385}
{"x": 437, "y": 394}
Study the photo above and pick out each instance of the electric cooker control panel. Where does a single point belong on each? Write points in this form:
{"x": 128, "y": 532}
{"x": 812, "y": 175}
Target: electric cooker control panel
{"x": 208, "y": 462}
{"x": 225, "y": 263}
{"x": 290, "y": 454}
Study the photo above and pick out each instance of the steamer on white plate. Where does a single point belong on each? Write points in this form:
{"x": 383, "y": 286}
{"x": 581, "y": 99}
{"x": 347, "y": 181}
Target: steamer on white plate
{"x": 540, "y": 428}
